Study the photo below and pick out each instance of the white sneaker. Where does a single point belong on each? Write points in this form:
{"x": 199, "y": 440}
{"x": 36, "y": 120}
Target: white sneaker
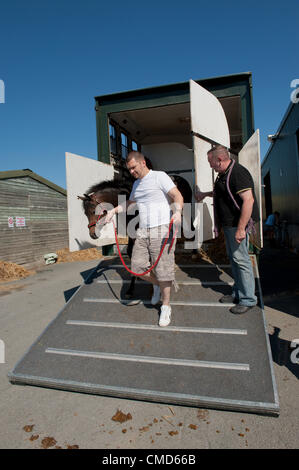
{"x": 156, "y": 295}
{"x": 165, "y": 315}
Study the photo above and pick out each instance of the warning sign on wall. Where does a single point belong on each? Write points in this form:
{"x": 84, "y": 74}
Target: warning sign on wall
{"x": 10, "y": 222}
{"x": 20, "y": 222}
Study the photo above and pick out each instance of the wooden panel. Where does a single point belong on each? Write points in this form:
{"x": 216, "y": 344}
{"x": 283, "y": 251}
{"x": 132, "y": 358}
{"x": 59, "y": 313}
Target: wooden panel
{"x": 45, "y": 212}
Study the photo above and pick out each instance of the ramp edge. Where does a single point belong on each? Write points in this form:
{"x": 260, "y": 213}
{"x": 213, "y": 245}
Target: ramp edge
{"x": 271, "y": 409}
{"x": 270, "y": 357}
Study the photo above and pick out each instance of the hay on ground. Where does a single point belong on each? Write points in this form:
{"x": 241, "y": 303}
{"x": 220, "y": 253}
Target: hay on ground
{"x": 12, "y": 271}
{"x": 216, "y": 250}
{"x": 67, "y": 256}
{"x": 213, "y": 251}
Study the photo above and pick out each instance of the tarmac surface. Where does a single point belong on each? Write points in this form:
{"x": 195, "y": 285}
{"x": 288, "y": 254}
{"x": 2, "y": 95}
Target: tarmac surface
{"x": 34, "y": 417}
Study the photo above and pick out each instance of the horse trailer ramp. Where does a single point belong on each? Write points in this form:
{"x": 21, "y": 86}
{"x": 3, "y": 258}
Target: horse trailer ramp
{"x": 102, "y": 344}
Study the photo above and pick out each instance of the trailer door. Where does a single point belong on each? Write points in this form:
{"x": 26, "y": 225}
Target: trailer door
{"x": 249, "y": 157}
{"x": 209, "y": 122}
{"x": 81, "y": 174}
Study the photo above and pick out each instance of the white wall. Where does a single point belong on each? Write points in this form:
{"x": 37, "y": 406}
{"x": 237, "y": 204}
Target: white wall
{"x": 171, "y": 156}
{"x": 81, "y": 173}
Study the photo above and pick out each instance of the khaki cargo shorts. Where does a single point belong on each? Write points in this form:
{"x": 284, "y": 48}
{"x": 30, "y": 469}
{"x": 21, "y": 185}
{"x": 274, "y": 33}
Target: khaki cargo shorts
{"x": 146, "y": 250}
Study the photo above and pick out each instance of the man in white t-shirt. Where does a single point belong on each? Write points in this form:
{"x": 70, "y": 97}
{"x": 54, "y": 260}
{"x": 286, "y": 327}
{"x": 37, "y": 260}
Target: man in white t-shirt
{"x": 153, "y": 192}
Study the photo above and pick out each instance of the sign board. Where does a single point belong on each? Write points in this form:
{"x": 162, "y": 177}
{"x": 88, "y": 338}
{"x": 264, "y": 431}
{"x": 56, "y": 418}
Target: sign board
{"x": 20, "y": 222}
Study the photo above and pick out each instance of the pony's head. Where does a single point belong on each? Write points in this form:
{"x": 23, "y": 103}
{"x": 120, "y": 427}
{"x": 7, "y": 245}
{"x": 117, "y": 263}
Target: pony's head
{"x": 98, "y": 200}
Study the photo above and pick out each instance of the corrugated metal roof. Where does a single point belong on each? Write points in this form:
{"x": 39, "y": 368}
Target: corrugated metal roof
{"x": 31, "y": 174}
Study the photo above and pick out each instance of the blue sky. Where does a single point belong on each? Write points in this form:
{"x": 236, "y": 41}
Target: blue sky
{"x": 55, "y": 56}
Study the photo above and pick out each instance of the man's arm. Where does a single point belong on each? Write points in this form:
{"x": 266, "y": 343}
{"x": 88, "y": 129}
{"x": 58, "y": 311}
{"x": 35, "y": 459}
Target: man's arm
{"x": 199, "y": 195}
{"x": 117, "y": 210}
{"x": 178, "y": 203}
{"x": 246, "y": 211}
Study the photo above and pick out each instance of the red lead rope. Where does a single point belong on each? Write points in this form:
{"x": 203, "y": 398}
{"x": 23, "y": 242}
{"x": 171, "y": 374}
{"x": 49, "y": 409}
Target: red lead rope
{"x": 118, "y": 249}
{"x": 160, "y": 254}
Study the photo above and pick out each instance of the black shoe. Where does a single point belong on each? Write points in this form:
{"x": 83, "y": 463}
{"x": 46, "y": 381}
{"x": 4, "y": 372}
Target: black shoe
{"x": 239, "y": 309}
{"x": 228, "y": 299}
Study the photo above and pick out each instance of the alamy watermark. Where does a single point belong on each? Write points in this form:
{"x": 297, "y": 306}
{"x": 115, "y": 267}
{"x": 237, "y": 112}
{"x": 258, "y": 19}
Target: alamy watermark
{"x": 2, "y": 92}
{"x": 295, "y": 353}
{"x": 128, "y": 220}
{"x": 295, "y": 93}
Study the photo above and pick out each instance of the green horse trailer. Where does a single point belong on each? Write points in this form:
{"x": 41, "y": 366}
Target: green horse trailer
{"x": 174, "y": 126}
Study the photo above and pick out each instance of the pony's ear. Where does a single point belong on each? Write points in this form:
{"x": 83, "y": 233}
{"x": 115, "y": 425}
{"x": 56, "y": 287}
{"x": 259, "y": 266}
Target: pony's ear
{"x": 85, "y": 198}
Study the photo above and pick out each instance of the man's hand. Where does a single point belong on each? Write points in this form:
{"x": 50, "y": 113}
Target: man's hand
{"x": 240, "y": 235}
{"x": 199, "y": 195}
{"x": 117, "y": 210}
{"x": 176, "y": 218}
{"x": 109, "y": 216}
{"x": 177, "y": 205}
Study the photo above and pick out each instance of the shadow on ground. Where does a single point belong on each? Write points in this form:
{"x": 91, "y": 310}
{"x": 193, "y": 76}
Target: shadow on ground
{"x": 90, "y": 275}
{"x": 285, "y": 353}
{"x": 279, "y": 274}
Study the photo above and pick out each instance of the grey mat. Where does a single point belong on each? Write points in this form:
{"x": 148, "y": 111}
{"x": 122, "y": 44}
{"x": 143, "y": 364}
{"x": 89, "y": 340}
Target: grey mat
{"x": 103, "y": 344}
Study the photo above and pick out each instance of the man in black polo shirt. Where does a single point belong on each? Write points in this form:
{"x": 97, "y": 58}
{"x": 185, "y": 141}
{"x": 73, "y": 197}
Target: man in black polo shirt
{"x": 235, "y": 211}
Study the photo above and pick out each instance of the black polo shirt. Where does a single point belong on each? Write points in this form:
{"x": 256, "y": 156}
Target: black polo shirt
{"x": 240, "y": 180}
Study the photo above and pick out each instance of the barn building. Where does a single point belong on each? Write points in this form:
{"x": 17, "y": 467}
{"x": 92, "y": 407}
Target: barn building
{"x": 33, "y": 217}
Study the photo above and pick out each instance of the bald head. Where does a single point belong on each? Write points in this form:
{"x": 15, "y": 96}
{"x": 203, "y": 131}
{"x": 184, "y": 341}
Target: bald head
{"x": 219, "y": 151}
{"x": 136, "y": 164}
{"x": 138, "y": 156}
{"x": 218, "y": 158}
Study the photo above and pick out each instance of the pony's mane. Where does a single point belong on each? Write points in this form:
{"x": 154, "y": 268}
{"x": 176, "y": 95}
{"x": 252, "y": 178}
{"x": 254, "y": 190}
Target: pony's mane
{"x": 109, "y": 184}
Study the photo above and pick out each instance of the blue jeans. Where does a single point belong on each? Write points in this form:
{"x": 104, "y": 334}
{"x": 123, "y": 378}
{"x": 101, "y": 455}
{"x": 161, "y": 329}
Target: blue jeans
{"x": 244, "y": 286}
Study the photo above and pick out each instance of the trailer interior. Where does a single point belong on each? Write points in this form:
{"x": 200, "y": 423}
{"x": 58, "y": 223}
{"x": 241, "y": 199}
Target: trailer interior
{"x": 166, "y": 124}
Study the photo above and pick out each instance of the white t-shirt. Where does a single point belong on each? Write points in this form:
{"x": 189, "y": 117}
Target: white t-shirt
{"x": 150, "y": 194}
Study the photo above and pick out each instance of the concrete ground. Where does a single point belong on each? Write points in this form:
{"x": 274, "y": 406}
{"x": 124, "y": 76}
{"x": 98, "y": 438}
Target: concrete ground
{"x": 34, "y": 418}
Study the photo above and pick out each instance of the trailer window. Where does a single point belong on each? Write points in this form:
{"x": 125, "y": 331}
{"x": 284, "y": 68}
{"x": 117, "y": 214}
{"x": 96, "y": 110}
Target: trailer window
{"x": 113, "y": 139}
{"x": 124, "y": 145}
